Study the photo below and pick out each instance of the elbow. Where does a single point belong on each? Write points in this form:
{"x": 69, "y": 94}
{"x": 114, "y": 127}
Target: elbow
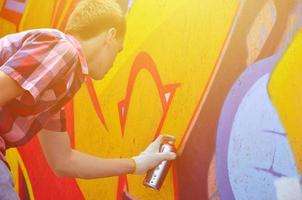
{"x": 59, "y": 169}
{"x": 59, "y": 172}
{"x": 64, "y": 168}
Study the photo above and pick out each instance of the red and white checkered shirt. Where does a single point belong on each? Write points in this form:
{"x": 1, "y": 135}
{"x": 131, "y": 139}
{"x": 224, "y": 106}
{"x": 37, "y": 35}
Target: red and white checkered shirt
{"x": 50, "y": 66}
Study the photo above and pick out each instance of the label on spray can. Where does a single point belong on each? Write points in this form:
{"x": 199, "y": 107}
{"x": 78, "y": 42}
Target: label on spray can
{"x": 155, "y": 177}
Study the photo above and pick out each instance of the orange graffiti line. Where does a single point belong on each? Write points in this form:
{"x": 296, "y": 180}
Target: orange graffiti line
{"x": 95, "y": 102}
{"x": 175, "y": 182}
{"x": 210, "y": 81}
{"x": 166, "y": 93}
{"x": 23, "y": 189}
{"x": 169, "y": 89}
{"x": 123, "y": 190}
{"x": 70, "y": 9}
{"x": 59, "y": 18}
{"x": 122, "y": 186}
{"x": 58, "y": 10}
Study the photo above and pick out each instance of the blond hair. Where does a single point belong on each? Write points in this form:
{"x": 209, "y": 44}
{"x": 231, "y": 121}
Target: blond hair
{"x": 91, "y": 17}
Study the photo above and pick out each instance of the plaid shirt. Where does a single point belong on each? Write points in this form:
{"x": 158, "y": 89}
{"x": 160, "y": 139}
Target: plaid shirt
{"x": 50, "y": 66}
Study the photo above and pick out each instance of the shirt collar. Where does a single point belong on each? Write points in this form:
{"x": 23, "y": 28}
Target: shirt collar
{"x": 82, "y": 58}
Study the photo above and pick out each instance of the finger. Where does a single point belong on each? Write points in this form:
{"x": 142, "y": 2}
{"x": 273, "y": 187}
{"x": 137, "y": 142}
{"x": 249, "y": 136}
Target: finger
{"x": 164, "y": 138}
{"x": 166, "y": 156}
{"x": 168, "y": 137}
{"x": 155, "y": 145}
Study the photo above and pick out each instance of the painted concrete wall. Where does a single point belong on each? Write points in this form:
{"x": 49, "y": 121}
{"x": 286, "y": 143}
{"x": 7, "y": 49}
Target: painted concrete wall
{"x": 223, "y": 77}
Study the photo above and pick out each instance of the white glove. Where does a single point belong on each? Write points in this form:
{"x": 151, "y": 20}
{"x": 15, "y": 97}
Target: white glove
{"x": 151, "y": 157}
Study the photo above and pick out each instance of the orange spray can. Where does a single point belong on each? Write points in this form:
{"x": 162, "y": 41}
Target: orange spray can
{"x": 156, "y": 176}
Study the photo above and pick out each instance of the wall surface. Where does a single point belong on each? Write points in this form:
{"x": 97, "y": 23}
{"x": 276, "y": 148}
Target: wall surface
{"x": 223, "y": 77}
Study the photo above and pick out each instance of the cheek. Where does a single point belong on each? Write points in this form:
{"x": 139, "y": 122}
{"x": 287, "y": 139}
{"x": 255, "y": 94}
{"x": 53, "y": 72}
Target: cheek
{"x": 110, "y": 60}
{"x": 103, "y": 63}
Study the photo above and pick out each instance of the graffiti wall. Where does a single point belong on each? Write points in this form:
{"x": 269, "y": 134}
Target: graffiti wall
{"x": 223, "y": 77}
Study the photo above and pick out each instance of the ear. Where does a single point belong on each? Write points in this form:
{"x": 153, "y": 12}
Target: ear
{"x": 111, "y": 35}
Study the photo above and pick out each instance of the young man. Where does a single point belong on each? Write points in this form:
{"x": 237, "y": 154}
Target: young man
{"x": 41, "y": 70}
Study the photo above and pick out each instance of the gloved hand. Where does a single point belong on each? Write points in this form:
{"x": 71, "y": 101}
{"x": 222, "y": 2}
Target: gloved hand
{"x": 151, "y": 157}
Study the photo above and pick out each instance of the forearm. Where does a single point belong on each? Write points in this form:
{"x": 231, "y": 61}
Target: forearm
{"x": 81, "y": 165}
{"x": 66, "y": 161}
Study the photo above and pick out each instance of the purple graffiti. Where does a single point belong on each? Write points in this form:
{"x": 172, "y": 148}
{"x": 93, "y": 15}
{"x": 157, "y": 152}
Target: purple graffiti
{"x": 17, "y": 6}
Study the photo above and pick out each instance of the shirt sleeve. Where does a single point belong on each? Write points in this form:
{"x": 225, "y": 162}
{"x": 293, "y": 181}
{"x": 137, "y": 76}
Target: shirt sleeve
{"x": 39, "y": 61}
{"x": 57, "y": 122}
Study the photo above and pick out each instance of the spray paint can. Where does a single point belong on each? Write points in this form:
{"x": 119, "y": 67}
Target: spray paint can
{"x": 156, "y": 176}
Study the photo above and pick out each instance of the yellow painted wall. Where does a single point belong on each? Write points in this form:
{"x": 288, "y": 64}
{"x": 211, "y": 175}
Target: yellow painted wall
{"x": 184, "y": 39}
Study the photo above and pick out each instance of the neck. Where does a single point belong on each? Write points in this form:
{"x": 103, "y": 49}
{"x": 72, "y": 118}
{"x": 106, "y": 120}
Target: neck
{"x": 91, "y": 46}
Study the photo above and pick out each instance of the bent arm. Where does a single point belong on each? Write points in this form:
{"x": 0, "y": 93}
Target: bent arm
{"x": 66, "y": 161}
{"x": 9, "y": 89}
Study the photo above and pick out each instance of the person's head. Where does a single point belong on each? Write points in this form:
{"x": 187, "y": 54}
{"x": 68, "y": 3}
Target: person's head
{"x": 100, "y": 26}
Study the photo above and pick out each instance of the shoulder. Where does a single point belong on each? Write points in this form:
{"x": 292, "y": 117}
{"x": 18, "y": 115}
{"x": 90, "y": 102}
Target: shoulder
{"x": 32, "y": 33}
{"x": 55, "y": 33}
{"x": 45, "y": 35}
{"x": 50, "y": 39}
